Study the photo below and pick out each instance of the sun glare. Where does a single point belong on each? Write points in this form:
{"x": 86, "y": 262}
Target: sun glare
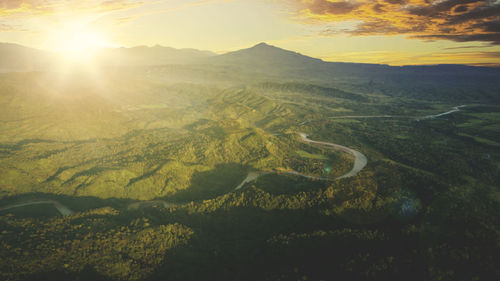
{"x": 77, "y": 48}
{"x": 77, "y": 44}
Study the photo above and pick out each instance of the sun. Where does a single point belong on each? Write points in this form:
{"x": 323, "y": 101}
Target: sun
{"x": 76, "y": 54}
{"x": 77, "y": 43}
{"x": 82, "y": 43}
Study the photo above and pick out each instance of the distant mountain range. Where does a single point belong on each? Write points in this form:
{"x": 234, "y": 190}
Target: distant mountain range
{"x": 157, "y": 55}
{"x": 261, "y": 58}
{"x": 271, "y": 60}
{"x": 15, "y": 57}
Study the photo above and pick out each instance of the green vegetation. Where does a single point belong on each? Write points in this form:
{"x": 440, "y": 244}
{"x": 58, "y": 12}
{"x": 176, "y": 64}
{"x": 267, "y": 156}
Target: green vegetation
{"x": 39, "y": 210}
{"x": 424, "y": 208}
{"x": 91, "y": 240}
{"x": 305, "y": 154}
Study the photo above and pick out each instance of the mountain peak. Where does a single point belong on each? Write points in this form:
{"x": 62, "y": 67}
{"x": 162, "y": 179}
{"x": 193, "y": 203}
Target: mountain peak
{"x": 261, "y": 45}
{"x": 264, "y": 55}
{"x": 265, "y": 47}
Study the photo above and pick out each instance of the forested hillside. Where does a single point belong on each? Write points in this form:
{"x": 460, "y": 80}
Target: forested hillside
{"x": 214, "y": 171}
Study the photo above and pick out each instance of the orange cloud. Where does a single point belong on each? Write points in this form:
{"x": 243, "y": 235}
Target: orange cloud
{"x": 17, "y": 10}
{"x": 478, "y": 58}
{"x": 457, "y": 20}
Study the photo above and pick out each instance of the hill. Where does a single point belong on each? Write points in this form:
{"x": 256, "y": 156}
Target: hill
{"x": 157, "y": 55}
{"x": 16, "y": 58}
{"x": 264, "y": 58}
{"x": 261, "y": 60}
{"x": 214, "y": 142}
{"x": 265, "y": 55}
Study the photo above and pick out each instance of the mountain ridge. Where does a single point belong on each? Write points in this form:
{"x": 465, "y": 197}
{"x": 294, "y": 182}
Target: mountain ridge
{"x": 155, "y": 55}
{"x": 18, "y": 58}
{"x": 265, "y": 54}
{"x": 262, "y": 57}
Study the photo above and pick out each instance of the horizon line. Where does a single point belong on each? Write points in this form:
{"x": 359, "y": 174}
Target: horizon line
{"x": 217, "y": 53}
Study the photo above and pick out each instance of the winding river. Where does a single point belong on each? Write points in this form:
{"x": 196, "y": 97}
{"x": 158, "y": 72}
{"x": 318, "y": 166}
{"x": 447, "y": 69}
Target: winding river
{"x": 63, "y": 210}
{"x": 417, "y": 118}
{"x": 251, "y": 177}
{"x": 360, "y": 161}
{"x": 453, "y": 110}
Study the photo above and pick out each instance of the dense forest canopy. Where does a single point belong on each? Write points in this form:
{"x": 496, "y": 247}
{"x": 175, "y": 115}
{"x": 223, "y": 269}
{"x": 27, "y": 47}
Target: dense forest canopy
{"x": 196, "y": 170}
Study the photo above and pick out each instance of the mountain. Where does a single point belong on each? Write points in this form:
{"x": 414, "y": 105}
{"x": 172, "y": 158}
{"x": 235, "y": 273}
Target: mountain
{"x": 267, "y": 55}
{"x": 262, "y": 60}
{"x": 274, "y": 60}
{"x": 16, "y": 58}
{"x": 157, "y": 55}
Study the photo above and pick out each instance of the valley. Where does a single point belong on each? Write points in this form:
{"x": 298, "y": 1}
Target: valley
{"x": 259, "y": 164}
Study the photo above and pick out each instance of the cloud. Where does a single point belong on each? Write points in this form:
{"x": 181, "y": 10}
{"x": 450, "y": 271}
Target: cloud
{"x": 5, "y": 27}
{"x": 57, "y": 9}
{"x": 460, "y": 56}
{"x": 467, "y": 47}
{"x": 456, "y": 20}
{"x": 327, "y": 7}
{"x": 183, "y": 6}
{"x": 24, "y": 8}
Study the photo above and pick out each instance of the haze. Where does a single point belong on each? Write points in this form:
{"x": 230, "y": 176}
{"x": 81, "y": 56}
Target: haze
{"x": 248, "y": 140}
{"x": 368, "y": 31}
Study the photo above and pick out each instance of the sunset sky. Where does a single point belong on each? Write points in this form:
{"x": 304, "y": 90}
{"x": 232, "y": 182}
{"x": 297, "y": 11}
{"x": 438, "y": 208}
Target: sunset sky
{"x": 395, "y": 32}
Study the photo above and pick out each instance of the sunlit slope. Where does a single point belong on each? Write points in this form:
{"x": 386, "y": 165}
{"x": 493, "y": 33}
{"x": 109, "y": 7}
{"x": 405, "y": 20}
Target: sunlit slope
{"x": 253, "y": 109}
{"x": 83, "y": 107}
{"x": 131, "y": 136}
{"x": 34, "y": 108}
{"x": 15, "y": 57}
{"x": 95, "y": 138}
{"x": 278, "y": 106}
{"x": 142, "y": 165}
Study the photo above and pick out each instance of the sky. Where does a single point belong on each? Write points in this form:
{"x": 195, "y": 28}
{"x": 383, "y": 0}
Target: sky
{"x": 395, "y": 32}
